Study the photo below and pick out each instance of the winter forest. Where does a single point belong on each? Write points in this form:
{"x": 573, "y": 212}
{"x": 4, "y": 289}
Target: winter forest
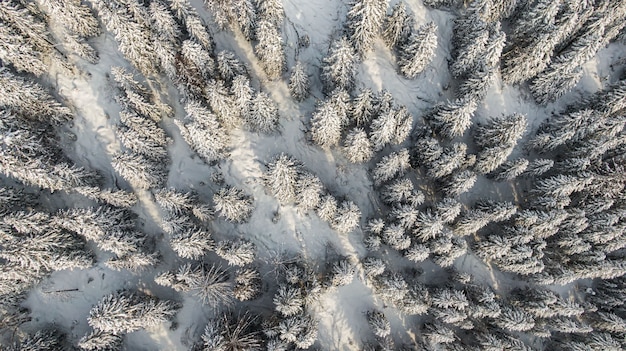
{"x": 234, "y": 175}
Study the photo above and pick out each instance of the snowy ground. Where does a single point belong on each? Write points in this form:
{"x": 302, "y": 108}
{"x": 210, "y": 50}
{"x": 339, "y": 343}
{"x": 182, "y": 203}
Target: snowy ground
{"x": 65, "y": 298}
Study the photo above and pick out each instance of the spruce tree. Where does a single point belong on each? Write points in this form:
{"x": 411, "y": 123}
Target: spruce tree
{"x": 364, "y": 22}
{"x": 232, "y": 204}
{"x": 398, "y": 26}
{"x": 357, "y": 146}
{"x": 299, "y": 85}
{"x": 338, "y": 68}
{"x": 419, "y": 51}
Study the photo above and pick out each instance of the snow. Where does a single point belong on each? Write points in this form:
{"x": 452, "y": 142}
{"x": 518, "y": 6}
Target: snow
{"x": 341, "y": 313}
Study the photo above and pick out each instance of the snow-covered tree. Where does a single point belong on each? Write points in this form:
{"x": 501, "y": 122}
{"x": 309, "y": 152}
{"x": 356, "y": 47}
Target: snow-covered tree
{"x": 448, "y": 209}
{"x": 327, "y": 208}
{"x": 138, "y": 171}
{"x": 192, "y": 243}
{"x": 185, "y": 13}
{"x": 138, "y": 312}
{"x": 229, "y": 66}
{"x": 391, "y": 166}
{"x": 247, "y": 284}
{"x": 271, "y": 10}
{"x": 288, "y": 300}
{"x": 347, "y": 217}
{"x": 398, "y": 26}
{"x": 339, "y": 66}
{"x": 477, "y": 82}
{"x": 363, "y": 108}
{"x": 281, "y": 178}
{"x": 497, "y": 136}
{"x": 263, "y": 114}
{"x": 357, "y": 146}
{"x": 232, "y": 204}
{"x": 231, "y": 333}
{"x": 378, "y": 323}
{"x": 327, "y": 124}
{"x": 512, "y": 169}
{"x": 417, "y": 253}
{"x": 447, "y": 159}
{"x": 452, "y": 118}
{"x": 210, "y": 284}
{"x": 237, "y": 253}
{"x": 99, "y": 340}
{"x": 299, "y": 85}
{"x": 309, "y": 189}
{"x": 418, "y": 51}
{"x": 428, "y": 225}
{"x": 270, "y": 49}
{"x": 364, "y": 22}
{"x": 393, "y": 126}
{"x": 342, "y": 273}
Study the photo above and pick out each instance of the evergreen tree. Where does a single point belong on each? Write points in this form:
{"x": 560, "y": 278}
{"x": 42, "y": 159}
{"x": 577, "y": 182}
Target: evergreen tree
{"x": 237, "y": 253}
{"x": 281, "y": 178}
{"x": 185, "y": 13}
{"x": 342, "y": 273}
{"x": 338, "y": 68}
{"x": 139, "y": 171}
{"x": 308, "y": 192}
{"x": 477, "y": 82}
{"x": 398, "y": 26}
{"x": 364, "y": 22}
{"x": 357, "y": 146}
{"x": 327, "y": 208}
{"x": 138, "y": 311}
{"x": 419, "y": 51}
{"x": 98, "y": 340}
{"x": 247, "y": 284}
{"x": 391, "y": 166}
{"x": 448, "y": 160}
{"x": 378, "y": 323}
{"x": 231, "y": 333}
{"x": 327, "y": 124}
{"x": 192, "y": 243}
{"x": 347, "y": 217}
{"x": 452, "y": 118}
{"x": 229, "y": 66}
{"x": 263, "y": 115}
{"x": 232, "y": 204}
{"x": 363, "y": 107}
{"x": 512, "y": 169}
{"x": 288, "y": 301}
{"x": 269, "y": 49}
{"x": 299, "y": 85}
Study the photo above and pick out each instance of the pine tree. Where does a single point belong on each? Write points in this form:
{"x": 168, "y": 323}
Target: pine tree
{"x": 347, "y": 217}
{"x": 391, "y": 166}
{"x": 299, "y": 85}
{"x": 342, "y": 273}
{"x": 391, "y": 127}
{"x": 477, "y": 82}
{"x": 192, "y": 243}
{"x": 139, "y": 171}
{"x": 512, "y": 169}
{"x": 338, "y": 68}
{"x": 288, "y": 301}
{"x": 327, "y": 208}
{"x": 98, "y": 340}
{"x": 448, "y": 209}
{"x": 263, "y": 115}
{"x": 248, "y": 284}
{"x": 447, "y": 160}
{"x": 281, "y": 178}
{"x": 270, "y": 50}
{"x": 309, "y": 189}
{"x": 123, "y": 312}
{"x": 452, "y": 118}
{"x": 229, "y": 66}
{"x": 363, "y": 108}
{"x": 364, "y": 22}
{"x": 203, "y": 132}
{"x": 185, "y": 13}
{"x": 428, "y": 226}
{"x": 419, "y": 51}
{"x": 230, "y": 333}
{"x": 237, "y": 253}
{"x": 327, "y": 125}
{"x": 398, "y": 26}
{"x": 378, "y": 323}
{"x": 232, "y": 204}
{"x": 357, "y": 146}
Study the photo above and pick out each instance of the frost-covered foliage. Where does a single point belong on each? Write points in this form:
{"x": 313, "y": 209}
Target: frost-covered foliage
{"x": 210, "y": 284}
{"x": 299, "y": 85}
{"x": 139, "y": 312}
{"x": 236, "y": 253}
{"x": 418, "y": 51}
{"x": 232, "y": 204}
{"x": 338, "y": 68}
{"x": 281, "y": 178}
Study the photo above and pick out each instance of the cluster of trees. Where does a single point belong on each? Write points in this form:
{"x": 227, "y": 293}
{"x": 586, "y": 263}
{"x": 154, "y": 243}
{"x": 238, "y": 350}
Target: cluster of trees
{"x": 143, "y": 161}
{"x": 367, "y": 124}
{"x": 288, "y": 181}
{"x": 139, "y": 311}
